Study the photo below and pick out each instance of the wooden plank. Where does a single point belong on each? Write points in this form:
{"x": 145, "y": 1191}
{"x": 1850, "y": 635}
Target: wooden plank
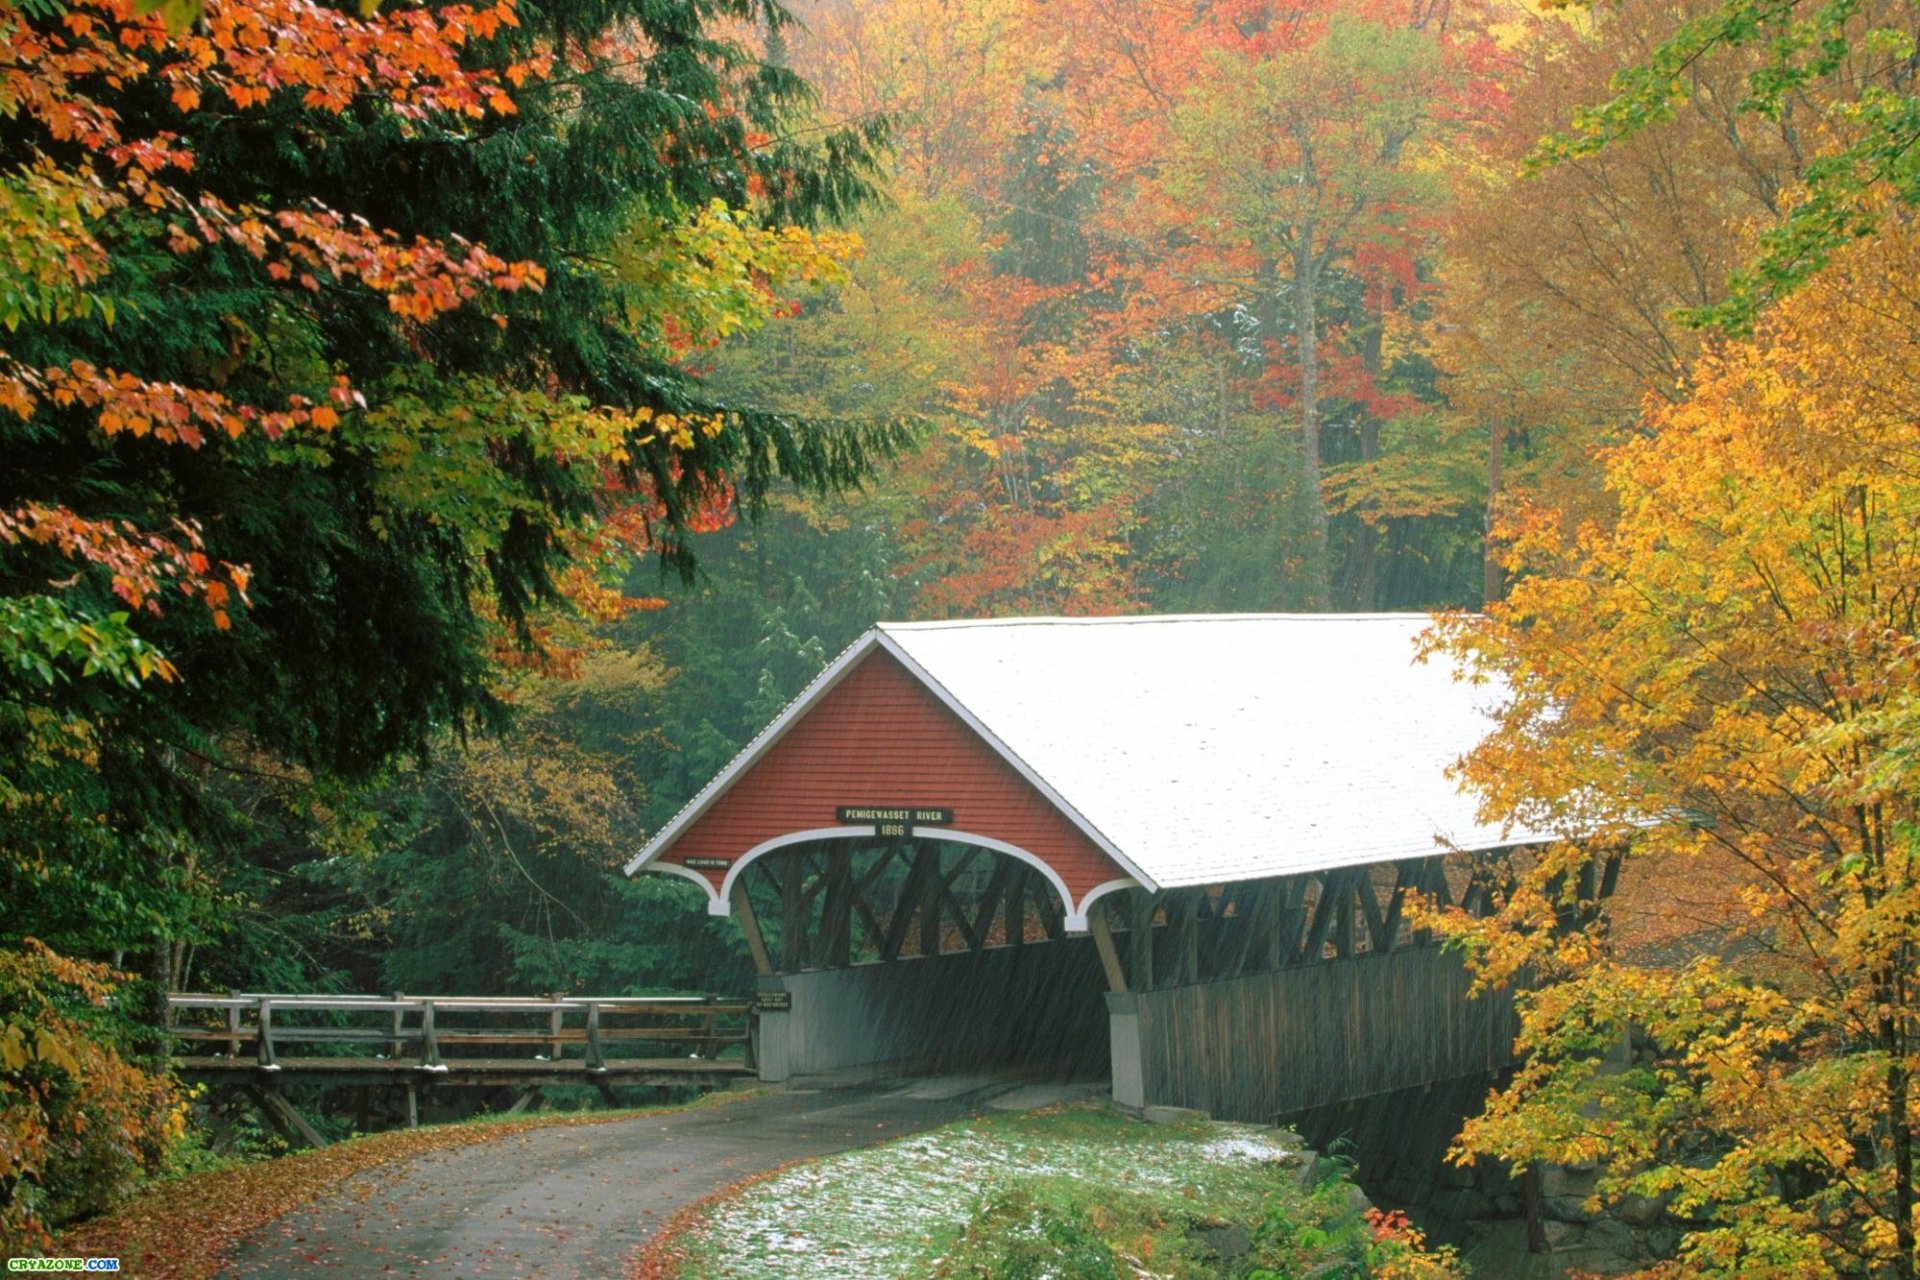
{"x": 264, "y": 1046}
{"x": 930, "y": 906}
{"x": 750, "y": 927}
{"x": 793, "y": 922}
{"x": 1004, "y": 877}
{"x": 1352, "y": 884}
{"x": 1187, "y": 952}
{"x": 833, "y": 944}
{"x": 1263, "y": 1045}
{"x": 596, "y": 1058}
{"x": 1052, "y": 913}
{"x": 1325, "y": 908}
{"x": 925, "y": 864}
{"x": 1257, "y": 915}
{"x": 1103, "y": 942}
{"x": 1140, "y": 944}
{"x": 284, "y": 1118}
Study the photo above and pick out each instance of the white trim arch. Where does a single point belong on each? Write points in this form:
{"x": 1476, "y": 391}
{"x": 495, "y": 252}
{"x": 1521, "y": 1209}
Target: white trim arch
{"x": 1100, "y": 891}
{"x": 721, "y": 903}
{"x": 716, "y": 905}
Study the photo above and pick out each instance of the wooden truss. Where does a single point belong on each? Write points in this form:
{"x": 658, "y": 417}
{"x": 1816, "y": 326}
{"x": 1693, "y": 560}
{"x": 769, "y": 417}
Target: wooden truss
{"x": 841, "y": 902}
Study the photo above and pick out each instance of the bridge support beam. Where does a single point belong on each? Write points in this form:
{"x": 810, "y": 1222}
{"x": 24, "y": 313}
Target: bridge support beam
{"x": 1123, "y": 1041}
{"x": 283, "y": 1117}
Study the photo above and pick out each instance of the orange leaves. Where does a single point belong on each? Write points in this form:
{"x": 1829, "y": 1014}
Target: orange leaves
{"x": 140, "y": 566}
{"x": 167, "y": 411}
{"x": 422, "y": 280}
{"x": 250, "y": 49}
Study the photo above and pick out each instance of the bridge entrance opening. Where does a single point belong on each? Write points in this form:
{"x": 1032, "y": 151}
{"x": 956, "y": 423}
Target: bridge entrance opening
{"x": 918, "y": 954}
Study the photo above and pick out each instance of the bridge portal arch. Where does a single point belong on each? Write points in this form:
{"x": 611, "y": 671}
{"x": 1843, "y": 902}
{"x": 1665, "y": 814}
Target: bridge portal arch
{"x": 720, "y": 897}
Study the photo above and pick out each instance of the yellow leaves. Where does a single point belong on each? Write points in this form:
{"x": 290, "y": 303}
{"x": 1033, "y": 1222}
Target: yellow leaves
{"x": 1732, "y": 655}
{"x": 49, "y": 258}
{"x": 694, "y": 284}
{"x": 14, "y": 1053}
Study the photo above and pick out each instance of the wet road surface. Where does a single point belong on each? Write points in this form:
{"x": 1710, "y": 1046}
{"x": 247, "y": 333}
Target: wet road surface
{"x": 571, "y": 1203}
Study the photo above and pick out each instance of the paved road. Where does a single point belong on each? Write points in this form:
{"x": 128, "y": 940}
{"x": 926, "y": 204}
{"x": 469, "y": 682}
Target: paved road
{"x": 573, "y": 1202}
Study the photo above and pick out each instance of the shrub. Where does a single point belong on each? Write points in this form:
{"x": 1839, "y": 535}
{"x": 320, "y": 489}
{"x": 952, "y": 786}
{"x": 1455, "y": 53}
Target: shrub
{"x": 79, "y": 1122}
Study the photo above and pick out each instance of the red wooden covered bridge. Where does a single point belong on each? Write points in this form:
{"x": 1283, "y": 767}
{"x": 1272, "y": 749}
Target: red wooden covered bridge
{"x": 1173, "y": 849}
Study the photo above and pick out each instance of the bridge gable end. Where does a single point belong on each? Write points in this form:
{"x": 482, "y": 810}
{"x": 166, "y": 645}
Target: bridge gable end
{"x": 877, "y": 737}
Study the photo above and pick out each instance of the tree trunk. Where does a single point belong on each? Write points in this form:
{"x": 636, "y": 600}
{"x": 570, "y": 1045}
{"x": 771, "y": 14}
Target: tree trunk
{"x": 1490, "y": 559}
{"x": 153, "y": 1005}
{"x": 1899, "y": 1116}
{"x": 1306, "y": 333}
{"x": 1362, "y": 591}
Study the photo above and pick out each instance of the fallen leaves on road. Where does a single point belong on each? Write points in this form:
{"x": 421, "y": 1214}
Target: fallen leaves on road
{"x": 187, "y": 1229}
{"x": 660, "y": 1257}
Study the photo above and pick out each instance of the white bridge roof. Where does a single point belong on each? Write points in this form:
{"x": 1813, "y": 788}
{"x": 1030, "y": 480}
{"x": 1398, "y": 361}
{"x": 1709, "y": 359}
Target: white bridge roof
{"x": 1203, "y": 749}
{"x": 1222, "y": 747}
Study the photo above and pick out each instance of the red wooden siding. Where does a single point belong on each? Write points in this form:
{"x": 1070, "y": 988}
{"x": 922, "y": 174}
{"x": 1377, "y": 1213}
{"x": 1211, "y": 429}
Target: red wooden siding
{"x": 880, "y": 737}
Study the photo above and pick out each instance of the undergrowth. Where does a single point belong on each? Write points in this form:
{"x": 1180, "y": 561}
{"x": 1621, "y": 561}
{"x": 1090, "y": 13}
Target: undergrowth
{"x": 1067, "y": 1194}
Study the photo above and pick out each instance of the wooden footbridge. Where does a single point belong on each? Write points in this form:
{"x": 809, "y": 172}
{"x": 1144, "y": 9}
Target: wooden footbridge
{"x": 261, "y": 1043}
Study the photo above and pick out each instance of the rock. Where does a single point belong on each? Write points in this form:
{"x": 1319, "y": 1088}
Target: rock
{"x": 1564, "y": 1182}
{"x": 1568, "y": 1209}
{"x": 1506, "y": 1204}
{"x": 1313, "y": 1170}
{"x": 1663, "y": 1242}
{"x": 1230, "y": 1240}
{"x": 1459, "y": 1175}
{"x": 1639, "y": 1211}
{"x": 1459, "y": 1204}
{"x": 1614, "y": 1238}
{"x": 1357, "y": 1200}
{"x": 1171, "y": 1115}
{"x": 1561, "y": 1235}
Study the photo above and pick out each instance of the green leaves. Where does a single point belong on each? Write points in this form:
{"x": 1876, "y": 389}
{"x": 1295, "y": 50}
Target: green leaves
{"x": 48, "y": 639}
{"x": 179, "y": 15}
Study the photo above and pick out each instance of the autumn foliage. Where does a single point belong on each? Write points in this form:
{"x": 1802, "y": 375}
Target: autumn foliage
{"x": 348, "y": 359}
{"x": 1723, "y": 677}
{"x": 78, "y": 1122}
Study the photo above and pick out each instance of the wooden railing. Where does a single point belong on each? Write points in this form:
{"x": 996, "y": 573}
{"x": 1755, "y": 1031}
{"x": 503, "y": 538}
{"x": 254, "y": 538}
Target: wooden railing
{"x": 470, "y": 1034}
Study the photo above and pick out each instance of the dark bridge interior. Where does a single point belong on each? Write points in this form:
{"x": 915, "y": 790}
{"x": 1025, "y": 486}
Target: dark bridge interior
{"x": 924, "y": 954}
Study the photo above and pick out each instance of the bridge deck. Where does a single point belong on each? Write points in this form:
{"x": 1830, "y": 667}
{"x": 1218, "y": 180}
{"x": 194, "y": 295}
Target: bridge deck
{"x": 515, "y": 1072}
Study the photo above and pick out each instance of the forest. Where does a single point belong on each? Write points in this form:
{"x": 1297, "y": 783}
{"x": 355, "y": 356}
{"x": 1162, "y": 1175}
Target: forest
{"x": 435, "y": 437}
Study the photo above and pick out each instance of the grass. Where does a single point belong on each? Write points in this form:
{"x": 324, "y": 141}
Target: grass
{"x": 1061, "y": 1194}
{"x": 185, "y": 1228}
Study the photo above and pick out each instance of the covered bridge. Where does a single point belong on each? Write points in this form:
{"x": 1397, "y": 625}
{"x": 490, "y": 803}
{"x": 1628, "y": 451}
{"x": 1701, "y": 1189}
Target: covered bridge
{"x": 1175, "y": 849}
